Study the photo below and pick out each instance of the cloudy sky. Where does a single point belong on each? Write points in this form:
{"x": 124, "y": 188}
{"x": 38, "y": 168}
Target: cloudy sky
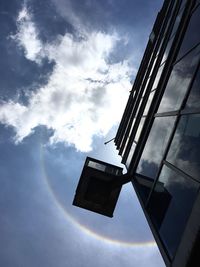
{"x": 66, "y": 70}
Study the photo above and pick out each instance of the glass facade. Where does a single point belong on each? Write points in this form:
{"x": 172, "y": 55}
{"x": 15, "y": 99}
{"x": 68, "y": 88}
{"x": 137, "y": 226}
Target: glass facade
{"x": 152, "y": 154}
{"x": 162, "y": 137}
{"x": 171, "y": 193}
{"x": 159, "y": 134}
{"x": 185, "y": 147}
{"x": 193, "y": 101}
{"x": 179, "y": 81}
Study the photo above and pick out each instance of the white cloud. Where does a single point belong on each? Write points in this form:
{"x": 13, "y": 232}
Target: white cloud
{"x": 84, "y": 96}
{"x": 27, "y": 36}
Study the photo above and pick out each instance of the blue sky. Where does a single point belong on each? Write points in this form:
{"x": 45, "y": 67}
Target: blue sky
{"x": 65, "y": 74}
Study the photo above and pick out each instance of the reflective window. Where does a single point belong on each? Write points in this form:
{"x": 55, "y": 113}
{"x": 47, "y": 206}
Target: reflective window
{"x": 167, "y": 50}
{"x": 172, "y": 35}
{"x": 139, "y": 129}
{"x": 155, "y": 60}
{"x": 170, "y": 205}
{"x": 178, "y": 20}
{"x": 155, "y": 146}
{"x": 183, "y": 2}
{"x": 176, "y": 24}
{"x": 185, "y": 148}
{"x": 193, "y": 101}
{"x": 127, "y": 140}
{"x": 179, "y": 81}
{"x": 130, "y": 155}
{"x": 197, "y": 3}
{"x": 149, "y": 102}
{"x": 158, "y": 76}
{"x": 147, "y": 83}
{"x": 192, "y": 35}
{"x": 143, "y": 185}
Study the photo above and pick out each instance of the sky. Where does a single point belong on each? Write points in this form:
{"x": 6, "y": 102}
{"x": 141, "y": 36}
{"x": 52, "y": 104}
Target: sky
{"x": 66, "y": 70}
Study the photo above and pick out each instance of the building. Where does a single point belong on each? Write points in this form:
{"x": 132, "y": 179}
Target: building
{"x": 159, "y": 134}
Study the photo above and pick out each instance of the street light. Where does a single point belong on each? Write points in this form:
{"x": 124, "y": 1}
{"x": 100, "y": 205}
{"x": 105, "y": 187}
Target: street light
{"x": 99, "y": 186}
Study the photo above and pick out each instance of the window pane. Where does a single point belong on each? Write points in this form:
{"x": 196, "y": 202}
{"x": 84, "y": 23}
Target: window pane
{"x": 179, "y": 81}
{"x": 139, "y": 129}
{"x": 178, "y": 20}
{"x": 193, "y": 101}
{"x": 185, "y": 148}
{"x": 175, "y": 27}
{"x": 155, "y": 146}
{"x": 192, "y": 35}
{"x": 130, "y": 155}
{"x": 128, "y": 138}
{"x": 149, "y": 102}
{"x": 153, "y": 66}
{"x": 170, "y": 205}
{"x": 143, "y": 185}
{"x": 167, "y": 49}
{"x": 147, "y": 83}
{"x": 158, "y": 76}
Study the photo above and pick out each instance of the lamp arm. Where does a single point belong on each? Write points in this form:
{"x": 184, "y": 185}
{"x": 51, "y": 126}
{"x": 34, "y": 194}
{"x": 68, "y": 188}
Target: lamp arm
{"x": 119, "y": 180}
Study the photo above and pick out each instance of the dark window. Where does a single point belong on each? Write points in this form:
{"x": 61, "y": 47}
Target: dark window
{"x": 155, "y": 146}
{"x": 192, "y": 35}
{"x": 178, "y": 20}
{"x": 175, "y": 27}
{"x": 179, "y": 81}
{"x": 193, "y": 101}
{"x": 185, "y": 148}
{"x": 183, "y": 2}
{"x": 169, "y": 21}
{"x": 170, "y": 205}
{"x": 143, "y": 185}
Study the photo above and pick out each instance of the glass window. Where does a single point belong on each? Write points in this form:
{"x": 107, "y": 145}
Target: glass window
{"x": 155, "y": 146}
{"x": 176, "y": 24}
{"x": 155, "y": 60}
{"x": 192, "y": 35}
{"x": 185, "y": 148}
{"x": 149, "y": 102}
{"x": 158, "y": 76}
{"x": 167, "y": 50}
{"x": 139, "y": 129}
{"x": 169, "y": 16}
{"x": 193, "y": 101}
{"x": 175, "y": 27}
{"x": 127, "y": 140}
{"x": 197, "y": 3}
{"x": 170, "y": 205}
{"x": 143, "y": 185}
{"x": 183, "y": 2}
{"x": 130, "y": 155}
{"x": 179, "y": 81}
{"x": 178, "y": 19}
{"x": 147, "y": 83}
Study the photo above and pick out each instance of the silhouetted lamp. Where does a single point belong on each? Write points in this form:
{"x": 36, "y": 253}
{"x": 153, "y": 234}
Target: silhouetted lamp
{"x": 99, "y": 186}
